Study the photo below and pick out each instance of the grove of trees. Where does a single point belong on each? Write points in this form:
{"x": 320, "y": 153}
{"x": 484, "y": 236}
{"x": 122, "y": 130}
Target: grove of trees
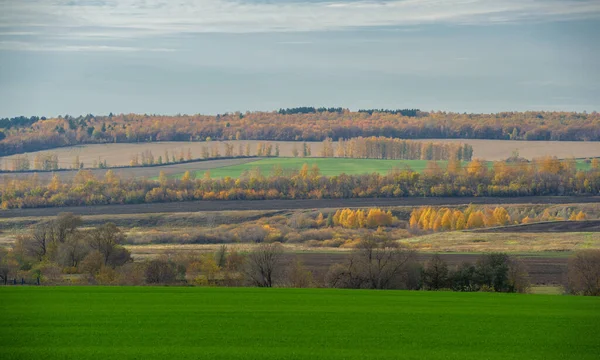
{"x": 445, "y": 219}
{"x": 548, "y": 176}
{"x": 20, "y": 135}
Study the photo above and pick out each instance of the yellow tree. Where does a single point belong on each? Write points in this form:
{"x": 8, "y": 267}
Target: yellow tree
{"x": 447, "y": 220}
{"x": 580, "y": 216}
{"x": 162, "y": 178}
{"x": 460, "y": 221}
{"x": 476, "y": 220}
{"x": 320, "y": 220}
{"x": 501, "y": 216}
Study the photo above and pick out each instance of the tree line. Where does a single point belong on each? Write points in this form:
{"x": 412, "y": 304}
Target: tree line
{"x": 544, "y": 177}
{"x": 445, "y": 219}
{"x": 395, "y": 149}
{"x": 300, "y": 124}
{"x": 95, "y": 256}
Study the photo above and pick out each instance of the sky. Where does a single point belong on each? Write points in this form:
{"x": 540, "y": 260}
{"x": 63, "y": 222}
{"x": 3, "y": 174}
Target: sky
{"x": 76, "y": 57}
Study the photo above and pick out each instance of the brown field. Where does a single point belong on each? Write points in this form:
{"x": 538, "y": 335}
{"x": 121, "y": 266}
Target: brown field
{"x": 240, "y": 205}
{"x": 121, "y": 154}
{"x": 548, "y": 226}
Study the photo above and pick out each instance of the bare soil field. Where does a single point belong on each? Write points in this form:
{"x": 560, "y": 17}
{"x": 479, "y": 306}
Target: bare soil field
{"x": 139, "y": 172}
{"x": 237, "y": 205}
{"x": 120, "y": 154}
{"x": 548, "y": 226}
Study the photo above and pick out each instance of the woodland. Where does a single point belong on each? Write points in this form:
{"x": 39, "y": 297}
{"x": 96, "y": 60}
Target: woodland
{"x": 22, "y": 134}
{"x": 548, "y": 176}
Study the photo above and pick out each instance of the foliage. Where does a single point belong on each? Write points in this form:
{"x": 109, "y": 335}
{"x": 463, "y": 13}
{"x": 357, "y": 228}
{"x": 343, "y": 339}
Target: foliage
{"x": 544, "y": 177}
{"x": 300, "y": 124}
{"x": 444, "y": 219}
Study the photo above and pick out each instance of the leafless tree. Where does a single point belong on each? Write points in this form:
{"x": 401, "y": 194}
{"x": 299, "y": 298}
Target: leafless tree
{"x": 518, "y": 277}
{"x": 584, "y": 273}
{"x": 435, "y": 274}
{"x": 160, "y": 271}
{"x": 298, "y": 276}
{"x": 106, "y": 240}
{"x": 374, "y": 265}
{"x": 264, "y": 265}
{"x": 8, "y": 266}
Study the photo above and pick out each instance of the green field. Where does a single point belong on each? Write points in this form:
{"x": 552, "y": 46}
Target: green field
{"x": 328, "y": 166}
{"x": 250, "y": 323}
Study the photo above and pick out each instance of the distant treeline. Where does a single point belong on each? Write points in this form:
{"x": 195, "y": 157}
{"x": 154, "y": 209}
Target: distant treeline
{"x": 543, "y": 177}
{"x": 296, "y": 124}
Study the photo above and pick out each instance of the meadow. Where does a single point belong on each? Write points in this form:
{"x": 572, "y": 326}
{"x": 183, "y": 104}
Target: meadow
{"x": 251, "y": 323}
{"x": 327, "y": 166}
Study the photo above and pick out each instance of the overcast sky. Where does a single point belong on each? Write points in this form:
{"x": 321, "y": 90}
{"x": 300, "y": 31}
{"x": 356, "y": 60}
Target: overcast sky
{"x": 212, "y": 56}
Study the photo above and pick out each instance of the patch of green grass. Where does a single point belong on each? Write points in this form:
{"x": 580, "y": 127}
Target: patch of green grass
{"x": 250, "y": 323}
{"x": 546, "y": 290}
{"x": 327, "y": 166}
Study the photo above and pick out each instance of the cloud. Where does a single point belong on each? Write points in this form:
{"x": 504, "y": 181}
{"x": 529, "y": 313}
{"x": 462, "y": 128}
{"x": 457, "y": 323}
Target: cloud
{"x": 151, "y": 17}
{"x": 28, "y": 46}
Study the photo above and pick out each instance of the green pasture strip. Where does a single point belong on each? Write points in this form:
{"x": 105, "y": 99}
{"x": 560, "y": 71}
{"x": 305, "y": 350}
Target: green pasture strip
{"x": 250, "y": 323}
{"x": 327, "y": 166}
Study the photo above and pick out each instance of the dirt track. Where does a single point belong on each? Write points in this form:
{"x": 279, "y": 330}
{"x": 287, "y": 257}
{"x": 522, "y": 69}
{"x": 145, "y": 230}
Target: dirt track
{"x": 195, "y": 206}
{"x": 549, "y": 226}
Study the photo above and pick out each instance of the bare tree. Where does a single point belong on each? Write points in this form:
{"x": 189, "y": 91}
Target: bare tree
{"x": 160, "y": 271}
{"x": 63, "y": 226}
{"x": 298, "y": 276}
{"x": 518, "y": 277}
{"x": 374, "y": 265}
{"x": 106, "y": 240}
{"x": 584, "y": 273}
{"x": 435, "y": 274}
{"x": 8, "y": 266}
{"x": 264, "y": 265}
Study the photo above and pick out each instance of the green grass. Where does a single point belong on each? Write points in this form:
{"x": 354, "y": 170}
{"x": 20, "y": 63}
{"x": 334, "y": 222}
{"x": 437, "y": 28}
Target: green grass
{"x": 250, "y": 323}
{"x": 328, "y": 166}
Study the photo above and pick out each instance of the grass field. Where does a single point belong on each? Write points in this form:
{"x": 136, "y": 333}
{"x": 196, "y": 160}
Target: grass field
{"x": 249, "y": 323}
{"x": 328, "y": 166}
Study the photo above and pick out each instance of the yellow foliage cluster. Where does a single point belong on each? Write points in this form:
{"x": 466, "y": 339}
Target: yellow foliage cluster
{"x": 429, "y": 218}
{"x": 354, "y": 219}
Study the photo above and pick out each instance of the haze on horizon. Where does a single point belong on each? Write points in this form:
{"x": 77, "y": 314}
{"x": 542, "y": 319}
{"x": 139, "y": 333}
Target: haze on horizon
{"x": 213, "y": 56}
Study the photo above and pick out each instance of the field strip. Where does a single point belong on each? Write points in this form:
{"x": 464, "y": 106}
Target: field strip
{"x": 195, "y": 206}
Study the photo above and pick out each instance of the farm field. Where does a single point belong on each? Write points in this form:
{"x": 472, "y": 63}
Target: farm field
{"x": 250, "y": 323}
{"x": 327, "y": 166}
{"x": 120, "y": 154}
{"x": 240, "y": 205}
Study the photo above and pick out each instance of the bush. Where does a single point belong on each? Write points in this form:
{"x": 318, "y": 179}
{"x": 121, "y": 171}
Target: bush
{"x": 160, "y": 272}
